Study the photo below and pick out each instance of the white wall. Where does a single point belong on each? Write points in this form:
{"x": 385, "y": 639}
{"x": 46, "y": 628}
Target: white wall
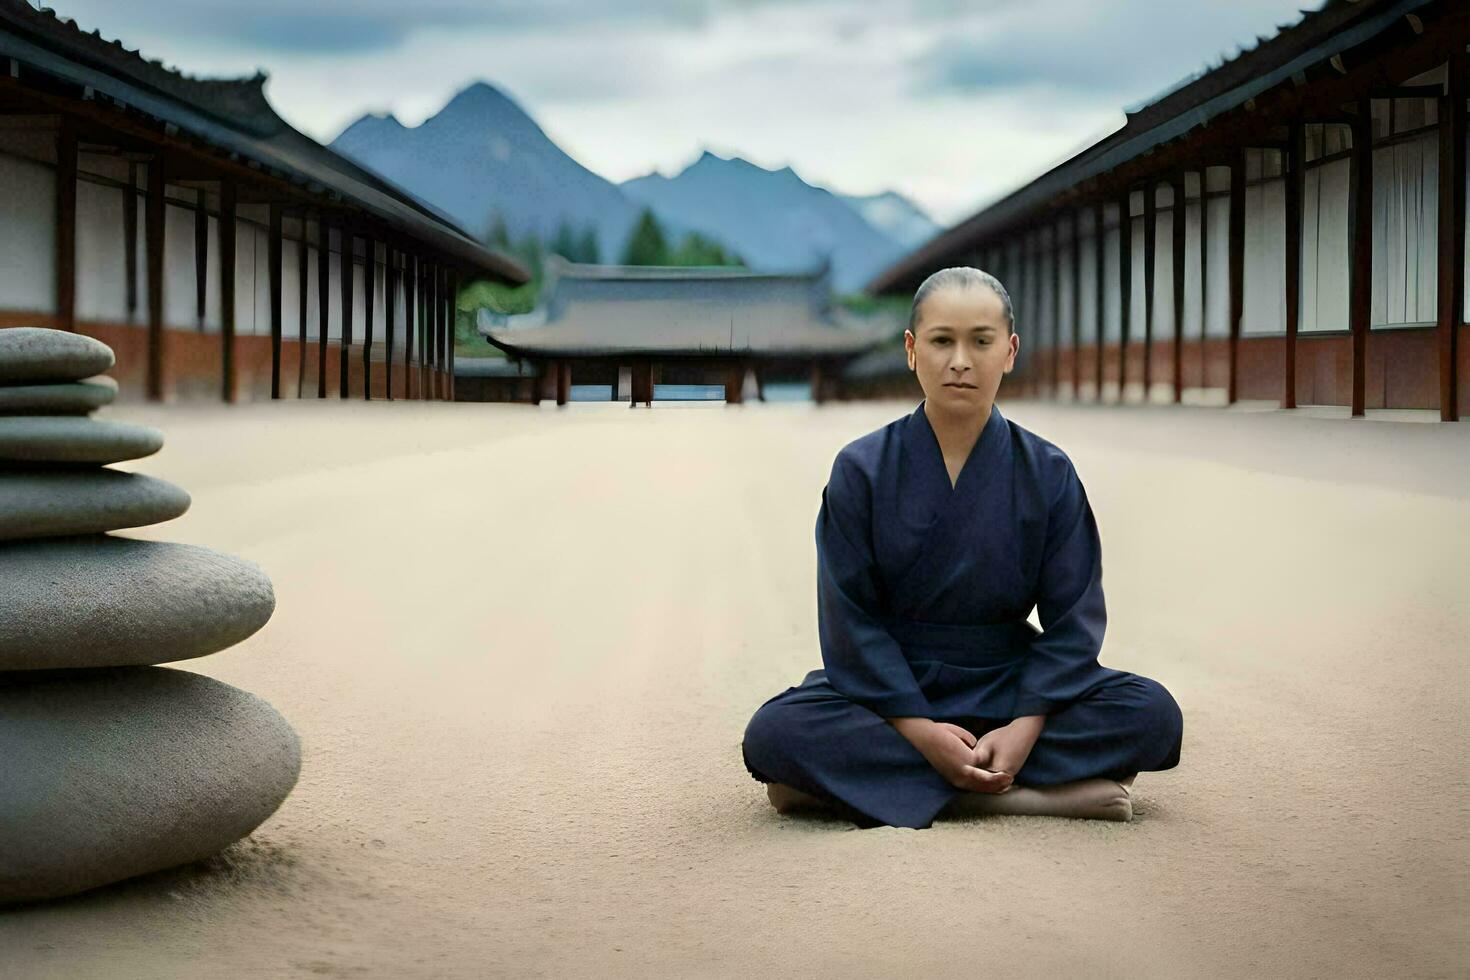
{"x": 28, "y": 241}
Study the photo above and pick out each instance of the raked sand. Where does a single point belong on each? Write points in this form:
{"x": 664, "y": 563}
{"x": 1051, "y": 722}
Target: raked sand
{"x": 521, "y": 644}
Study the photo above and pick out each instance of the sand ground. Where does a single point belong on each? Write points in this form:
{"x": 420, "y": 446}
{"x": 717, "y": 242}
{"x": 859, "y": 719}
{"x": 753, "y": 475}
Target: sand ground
{"x": 521, "y": 645}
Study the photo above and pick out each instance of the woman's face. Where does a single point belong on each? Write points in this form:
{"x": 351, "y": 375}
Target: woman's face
{"x": 961, "y": 347}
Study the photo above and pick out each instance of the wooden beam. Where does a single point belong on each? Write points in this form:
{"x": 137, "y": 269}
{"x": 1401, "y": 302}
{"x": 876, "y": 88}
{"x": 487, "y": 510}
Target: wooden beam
{"x": 66, "y": 225}
{"x": 1125, "y": 284}
{"x": 1054, "y": 268}
{"x": 1100, "y": 276}
{"x": 453, "y": 316}
{"x": 369, "y": 296}
{"x": 1452, "y": 135}
{"x": 1204, "y": 271}
{"x": 345, "y": 277}
{"x": 390, "y": 313}
{"x": 1177, "y": 246}
{"x": 1296, "y": 183}
{"x": 563, "y": 382}
{"x": 130, "y": 242}
{"x": 303, "y": 292}
{"x": 323, "y": 299}
{"x": 153, "y": 229}
{"x": 410, "y": 298}
{"x": 1150, "y": 257}
{"x": 227, "y": 244}
{"x": 1237, "y": 266}
{"x": 274, "y": 253}
{"x": 1076, "y": 304}
{"x": 1360, "y": 221}
{"x": 201, "y": 259}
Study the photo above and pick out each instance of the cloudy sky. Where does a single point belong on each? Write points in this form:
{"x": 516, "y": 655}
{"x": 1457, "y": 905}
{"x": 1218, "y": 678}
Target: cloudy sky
{"x": 952, "y": 103}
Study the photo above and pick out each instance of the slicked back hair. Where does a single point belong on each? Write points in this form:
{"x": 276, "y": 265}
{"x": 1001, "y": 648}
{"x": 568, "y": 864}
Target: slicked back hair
{"x": 961, "y": 277}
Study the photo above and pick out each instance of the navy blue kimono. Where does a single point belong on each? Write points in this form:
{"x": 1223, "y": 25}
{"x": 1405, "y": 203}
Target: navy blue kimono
{"x": 923, "y": 593}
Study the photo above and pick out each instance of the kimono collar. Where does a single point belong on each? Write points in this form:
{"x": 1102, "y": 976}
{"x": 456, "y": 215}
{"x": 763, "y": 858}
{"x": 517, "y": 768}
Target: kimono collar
{"x": 922, "y": 444}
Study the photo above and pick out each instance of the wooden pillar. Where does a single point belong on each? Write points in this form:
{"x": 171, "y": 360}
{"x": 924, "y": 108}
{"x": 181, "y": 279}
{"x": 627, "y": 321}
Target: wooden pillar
{"x": 1177, "y": 245}
{"x": 441, "y": 290}
{"x": 1054, "y": 267}
{"x": 345, "y": 277}
{"x": 303, "y": 290}
{"x": 817, "y": 382}
{"x": 201, "y": 259}
{"x": 274, "y": 251}
{"x": 1360, "y": 221}
{"x": 1204, "y": 270}
{"x": 1150, "y": 255}
{"x": 130, "y": 242}
{"x": 66, "y": 225}
{"x": 390, "y": 314}
{"x": 410, "y": 298}
{"x": 1296, "y": 182}
{"x": 1100, "y": 281}
{"x": 563, "y": 382}
{"x": 1125, "y": 282}
{"x": 369, "y": 296}
{"x": 323, "y": 299}
{"x": 451, "y": 316}
{"x": 760, "y": 383}
{"x": 734, "y": 381}
{"x": 1077, "y": 304}
{"x": 228, "y": 196}
{"x": 153, "y": 231}
{"x": 1237, "y": 265}
{"x": 1451, "y": 235}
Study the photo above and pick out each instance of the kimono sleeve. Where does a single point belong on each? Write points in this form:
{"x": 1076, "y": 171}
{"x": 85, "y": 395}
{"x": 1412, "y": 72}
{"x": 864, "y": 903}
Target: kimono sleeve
{"x": 864, "y": 663}
{"x": 1062, "y": 661}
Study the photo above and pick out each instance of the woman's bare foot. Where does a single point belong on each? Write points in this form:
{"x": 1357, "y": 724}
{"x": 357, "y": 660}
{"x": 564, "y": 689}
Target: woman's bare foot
{"x": 787, "y": 799}
{"x": 1088, "y": 799}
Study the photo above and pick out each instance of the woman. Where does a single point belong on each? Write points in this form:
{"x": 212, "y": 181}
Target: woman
{"x": 937, "y": 535}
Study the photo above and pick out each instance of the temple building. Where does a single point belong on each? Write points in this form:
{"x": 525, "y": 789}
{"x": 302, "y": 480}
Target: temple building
{"x": 1288, "y": 227}
{"x": 632, "y": 328}
{"x": 185, "y": 224}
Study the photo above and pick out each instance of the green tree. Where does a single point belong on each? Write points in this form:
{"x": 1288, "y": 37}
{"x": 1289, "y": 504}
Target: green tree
{"x": 587, "y": 250}
{"x": 696, "y": 249}
{"x": 647, "y": 244}
{"x": 565, "y": 243}
{"x": 498, "y": 236}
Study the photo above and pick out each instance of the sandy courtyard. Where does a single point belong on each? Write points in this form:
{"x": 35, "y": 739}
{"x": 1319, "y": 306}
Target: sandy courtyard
{"x": 521, "y": 644}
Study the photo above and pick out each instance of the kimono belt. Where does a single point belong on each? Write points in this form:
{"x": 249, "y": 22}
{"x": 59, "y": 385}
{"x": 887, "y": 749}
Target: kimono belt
{"x": 966, "y": 671}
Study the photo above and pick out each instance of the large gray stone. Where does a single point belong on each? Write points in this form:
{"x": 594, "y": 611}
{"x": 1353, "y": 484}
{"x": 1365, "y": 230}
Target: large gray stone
{"x": 102, "y": 601}
{"x": 69, "y": 439}
{"x": 112, "y": 773}
{"x": 39, "y": 354}
{"x": 46, "y": 503}
{"x": 63, "y": 398}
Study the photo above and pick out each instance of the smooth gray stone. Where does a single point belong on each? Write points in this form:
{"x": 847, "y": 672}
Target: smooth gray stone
{"x": 64, "y": 398}
{"x": 47, "y": 503}
{"x": 102, "y": 601}
{"x": 41, "y": 354}
{"x": 116, "y": 772}
{"x": 68, "y": 439}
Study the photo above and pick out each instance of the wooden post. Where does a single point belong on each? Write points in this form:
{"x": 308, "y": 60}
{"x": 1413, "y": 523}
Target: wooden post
{"x": 201, "y": 259}
{"x": 274, "y": 251}
{"x": 390, "y": 313}
{"x": 1125, "y": 282}
{"x": 441, "y": 302}
{"x": 1451, "y": 234}
{"x": 323, "y": 299}
{"x": 66, "y": 225}
{"x": 451, "y": 318}
{"x": 228, "y": 196}
{"x": 1237, "y": 265}
{"x": 817, "y": 382}
{"x": 1360, "y": 221}
{"x": 1054, "y": 370}
{"x": 734, "y": 381}
{"x": 410, "y": 298}
{"x": 1150, "y": 255}
{"x": 1204, "y": 269}
{"x": 563, "y": 382}
{"x": 369, "y": 296}
{"x": 1100, "y": 280}
{"x": 1296, "y": 182}
{"x": 153, "y": 230}
{"x": 130, "y": 242}
{"x": 303, "y": 290}
{"x": 1076, "y": 304}
{"x": 1177, "y": 247}
{"x": 345, "y": 277}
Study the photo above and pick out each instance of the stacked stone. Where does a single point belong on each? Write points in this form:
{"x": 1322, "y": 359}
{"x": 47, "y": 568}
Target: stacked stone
{"x": 111, "y": 767}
